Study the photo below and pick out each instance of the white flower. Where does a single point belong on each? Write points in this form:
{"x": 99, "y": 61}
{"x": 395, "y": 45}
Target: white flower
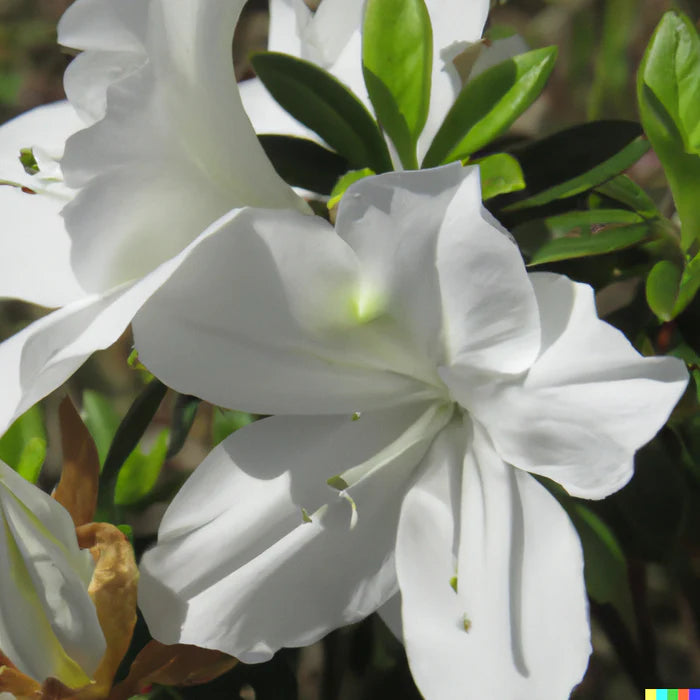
{"x": 420, "y": 377}
{"x": 48, "y": 622}
{"x": 331, "y": 38}
{"x": 158, "y": 147}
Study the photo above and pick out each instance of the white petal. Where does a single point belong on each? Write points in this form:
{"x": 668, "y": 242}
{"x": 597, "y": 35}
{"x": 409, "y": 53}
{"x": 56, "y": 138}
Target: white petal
{"x": 393, "y": 222}
{"x": 48, "y": 624}
{"x": 520, "y": 587}
{"x": 43, "y": 355}
{"x": 288, "y": 19}
{"x": 246, "y": 574}
{"x": 34, "y": 247}
{"x": 111, "y": 37}
{"x": 455, "y": 23}
{"x": 588, "y": 402}
{"x": 35, "y": 250}
{"x": 175, "y": 139}
{"x": 273, "y": 326}
{"x": 489, "y": 308}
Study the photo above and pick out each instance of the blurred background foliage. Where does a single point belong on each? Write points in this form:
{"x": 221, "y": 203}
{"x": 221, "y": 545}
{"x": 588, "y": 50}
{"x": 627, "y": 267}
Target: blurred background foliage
{"x": 649, "y": 634}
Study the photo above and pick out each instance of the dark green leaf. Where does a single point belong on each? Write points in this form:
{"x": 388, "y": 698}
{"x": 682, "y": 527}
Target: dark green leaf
{"x": 605, "y": 566}
{"x": 599, "y": 174}
{"x": 140, "y": 472}
{"x": 304, "y": 163}
{"x": 607, "y": 240}
{"x": 132, "y": 428}
{"x": 588, "y": 222}
{"x": 326, "y": 106}
{"x": 500, "y": 173}
{"x": 489, "y": 104}
{"x": 578, "y": 149}
{"x": 397, "y": 60}
{"x": 184, "y": 413}
{"x": 626, "y": 191}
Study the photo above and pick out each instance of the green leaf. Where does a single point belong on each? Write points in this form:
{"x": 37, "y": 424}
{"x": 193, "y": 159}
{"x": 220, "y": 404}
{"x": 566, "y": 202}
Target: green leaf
{"x": 304, "y": 163}
{"x": 500, "y": 173}
{"x": 607, "y": 240}
{"x": 326, "y": 106}
{"x": 184, "y": 413}
{"x": 397, "y": 60}
{"x": 670, "y": 290}
{"x": 32, "y": 459}
{"x": 101, "y": 420}
{"x": 668, "y": 92}
{"x": 626, "y": 191}
{"x": 671, "y": 70}
{"x": 662, "y": 288}
{"x": 583, "y": 223}
{"x": 131, "y": 429}
{"x": 489, "y": 104}
{"x": 690, "y": 283}
{"x": 592, "y": 178}
{"x": 344, "y": 182}
{"x": 23, "y": 446}
{"x": 605, "y": 566}
{"x": 225, "y": 422}
{"x": 139, "y": 473}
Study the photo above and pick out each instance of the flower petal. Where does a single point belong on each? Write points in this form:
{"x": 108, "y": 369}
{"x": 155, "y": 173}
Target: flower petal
{"x": 489, "y": 308}
{"x": 275, "y": 559}
{"x": 175, "y": 144}
{"x": 111, "y": 37}
{"x": 48, "y": 625}
{"x": 433, "y": 260}
{"x": 520, "y": 591}
{"x": 588, "y": 402}
{"x": 43, "y": 355}
{"x": 456, "y": 24}
{"x": 35, "y": 250}
{"x": 273, "y": 326}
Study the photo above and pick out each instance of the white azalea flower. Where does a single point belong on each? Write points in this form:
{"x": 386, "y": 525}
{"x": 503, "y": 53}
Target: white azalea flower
{"x": 158, "y": 147}
{"x": 331, "y": 38}
{"x": 48, "y": 622}
{"x": 420, "y": 377}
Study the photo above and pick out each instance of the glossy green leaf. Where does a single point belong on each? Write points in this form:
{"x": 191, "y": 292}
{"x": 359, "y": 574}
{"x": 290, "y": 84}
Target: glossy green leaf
{"x": 397, "y": 59}
{"x": 184, "y": 413}
{"x": 668, "y": 92}
{"x": 101, "y": 420}
{"x": 500, "y": 173}
{"x": 489, "y": 104}
{"x": 592, "y": 178}
{"x": 326, "y": 106}
{"x": 607, "y": 240}
{"x": 662, "y": 288}
{"x": 583, "y": 223}
{"x": 28, "y": 427}
{"x": 304, "y": 163}
{"x": 131, "y": 429}
{"x": 344, "y": 182}
{"x": 626, "y": 191}
{"x": 140, "y": 471}
{"x": 670, "y": 290}
{"x": 225, "y": 422}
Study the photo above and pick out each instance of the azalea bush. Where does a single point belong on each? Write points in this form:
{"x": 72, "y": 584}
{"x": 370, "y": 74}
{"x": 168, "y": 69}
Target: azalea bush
{"x": 403, "y": 388}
